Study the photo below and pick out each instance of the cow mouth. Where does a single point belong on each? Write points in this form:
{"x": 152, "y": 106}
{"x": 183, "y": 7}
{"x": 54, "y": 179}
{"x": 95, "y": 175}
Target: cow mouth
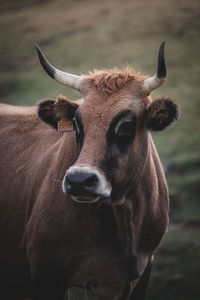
{"x": 85, "y": 199}
{"x": 98, "y": 198}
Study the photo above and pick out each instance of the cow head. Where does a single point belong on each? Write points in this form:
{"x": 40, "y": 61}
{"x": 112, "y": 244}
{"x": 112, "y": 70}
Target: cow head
{"x": 112, "y": 126}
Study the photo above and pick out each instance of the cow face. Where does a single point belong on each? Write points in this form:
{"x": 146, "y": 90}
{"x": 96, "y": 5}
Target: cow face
{"x": 112, "y": 133}
{"x": 112, "y": 127}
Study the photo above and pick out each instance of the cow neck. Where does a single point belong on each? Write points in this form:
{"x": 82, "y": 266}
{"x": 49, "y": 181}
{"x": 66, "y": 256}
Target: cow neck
{"x": 124, "y": 219}
{"x": 124, "y": 214}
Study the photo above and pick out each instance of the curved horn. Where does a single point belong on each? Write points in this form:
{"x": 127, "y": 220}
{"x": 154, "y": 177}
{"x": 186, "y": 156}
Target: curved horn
{"x": 70, "y": 80}
{"x": 159, "y": 78}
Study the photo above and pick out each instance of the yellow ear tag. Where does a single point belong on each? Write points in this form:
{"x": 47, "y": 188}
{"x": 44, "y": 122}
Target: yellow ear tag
{"x": 65, "y": 125}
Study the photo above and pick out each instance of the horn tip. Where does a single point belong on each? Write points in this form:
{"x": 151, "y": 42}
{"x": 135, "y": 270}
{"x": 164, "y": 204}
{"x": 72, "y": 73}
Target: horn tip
{"x": 163, "y": 42}
{"x": 44, "y": 62}
{"x": 37, "y": 48}
{"x": 161, "y": 71}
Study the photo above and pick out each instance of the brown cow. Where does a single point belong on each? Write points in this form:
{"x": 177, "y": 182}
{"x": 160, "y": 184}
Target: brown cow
{"x": 86, "y": 203}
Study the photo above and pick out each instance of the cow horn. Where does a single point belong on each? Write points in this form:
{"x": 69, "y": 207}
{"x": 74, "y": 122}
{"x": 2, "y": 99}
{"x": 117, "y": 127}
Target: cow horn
{"x": 70, "y": 80}
{"x": 159, "y": 78}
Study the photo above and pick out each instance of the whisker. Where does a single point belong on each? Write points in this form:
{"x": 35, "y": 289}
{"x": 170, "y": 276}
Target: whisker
{"x": 68, "y": 294}
{"x": 58, "y": 182}
{"x": 93, "y": 290}
{"x": 85, "y": 290}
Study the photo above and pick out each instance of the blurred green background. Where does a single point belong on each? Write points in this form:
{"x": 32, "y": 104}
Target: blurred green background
{"x": 81, "y": 35}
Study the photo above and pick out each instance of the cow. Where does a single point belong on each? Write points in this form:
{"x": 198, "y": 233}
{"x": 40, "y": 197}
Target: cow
{"x": 84, "y": 199}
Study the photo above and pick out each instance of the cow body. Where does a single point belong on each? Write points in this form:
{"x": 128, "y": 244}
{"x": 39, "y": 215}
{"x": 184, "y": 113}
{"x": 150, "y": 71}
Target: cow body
{"x": 88, "y": 206}
{"x": 38, "y": 223}
{"x": 68, "y": 234}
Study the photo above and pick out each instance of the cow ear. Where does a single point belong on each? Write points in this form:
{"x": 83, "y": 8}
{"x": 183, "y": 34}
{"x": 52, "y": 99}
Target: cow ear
{"x": 160, "y": 114}
{"x": 51, "y": 112}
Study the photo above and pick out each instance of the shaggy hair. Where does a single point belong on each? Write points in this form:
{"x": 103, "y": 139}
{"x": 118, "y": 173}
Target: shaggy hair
{"x": 110, "y": 81}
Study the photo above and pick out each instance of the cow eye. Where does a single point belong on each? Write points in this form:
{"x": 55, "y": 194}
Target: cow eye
{"x": 125, "y": 129}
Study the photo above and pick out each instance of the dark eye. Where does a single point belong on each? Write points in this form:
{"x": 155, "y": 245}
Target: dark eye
{"x": 125, "y": 129}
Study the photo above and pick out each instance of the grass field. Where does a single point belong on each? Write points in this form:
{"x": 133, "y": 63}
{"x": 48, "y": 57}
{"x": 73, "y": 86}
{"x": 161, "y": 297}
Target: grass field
{"x": 78, "y": 36}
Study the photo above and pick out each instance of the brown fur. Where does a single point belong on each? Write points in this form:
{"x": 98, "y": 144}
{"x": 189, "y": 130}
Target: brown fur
{"x": 111, "y": 81}
{"x": 52, "y": 243}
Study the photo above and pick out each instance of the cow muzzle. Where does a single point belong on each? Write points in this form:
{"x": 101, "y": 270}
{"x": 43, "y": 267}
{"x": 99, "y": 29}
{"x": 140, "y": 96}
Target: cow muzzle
{"x": 85, "y": 184}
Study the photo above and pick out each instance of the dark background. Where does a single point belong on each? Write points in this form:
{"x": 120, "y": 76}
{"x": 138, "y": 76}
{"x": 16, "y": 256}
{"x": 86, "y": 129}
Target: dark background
{"x": 79, "y": 36}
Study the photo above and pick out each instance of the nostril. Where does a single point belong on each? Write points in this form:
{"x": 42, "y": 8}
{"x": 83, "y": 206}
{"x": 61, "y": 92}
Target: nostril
{"x": 90, "y": 181}
{"x": 69, "y": 181}
{"x": 67, "y": 187}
